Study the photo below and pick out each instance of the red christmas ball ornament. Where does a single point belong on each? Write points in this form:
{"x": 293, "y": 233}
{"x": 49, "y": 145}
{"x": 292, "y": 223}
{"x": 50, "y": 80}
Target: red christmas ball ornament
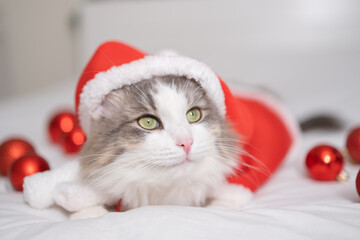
{"x": 60, "y": 125}
{"x": 74, "y": 140}
{"x": 25, "y": 166}
{"x": 324, "y": 162}
{"x": 353, "y": 144}
{"x": 358, "y": 183}
{"x": 12, "y": 149}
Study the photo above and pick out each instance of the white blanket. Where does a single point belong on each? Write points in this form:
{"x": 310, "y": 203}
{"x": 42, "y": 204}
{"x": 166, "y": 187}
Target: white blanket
{"x": 289, "y": 206}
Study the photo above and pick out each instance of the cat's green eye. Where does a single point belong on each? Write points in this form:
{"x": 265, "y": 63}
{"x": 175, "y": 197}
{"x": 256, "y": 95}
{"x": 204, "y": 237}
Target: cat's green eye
{"x": 148, "y": 123}
{"x": 193, "y": 115}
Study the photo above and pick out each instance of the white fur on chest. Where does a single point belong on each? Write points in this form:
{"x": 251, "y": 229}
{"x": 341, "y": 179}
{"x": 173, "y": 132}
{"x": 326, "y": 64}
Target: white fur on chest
{"x": 187, "y": 185}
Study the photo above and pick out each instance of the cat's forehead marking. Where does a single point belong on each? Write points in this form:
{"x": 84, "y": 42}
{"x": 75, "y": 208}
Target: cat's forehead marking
{"x": 170, "y": 100}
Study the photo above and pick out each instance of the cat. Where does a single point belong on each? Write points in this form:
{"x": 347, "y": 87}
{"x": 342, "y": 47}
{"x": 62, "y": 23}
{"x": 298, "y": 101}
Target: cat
{"x": 160, "y": 141}
{"x": 164, "y": 129}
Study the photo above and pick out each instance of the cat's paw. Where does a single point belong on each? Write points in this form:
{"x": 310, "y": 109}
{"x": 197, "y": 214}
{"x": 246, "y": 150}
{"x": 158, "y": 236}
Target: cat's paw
{"x": 74, "y": 196}
{"x": 91, "y": 212}
{"x": 230, "y": 196}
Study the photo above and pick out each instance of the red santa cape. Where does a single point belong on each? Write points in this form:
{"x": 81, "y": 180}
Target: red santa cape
{"x": 269, "y": 133}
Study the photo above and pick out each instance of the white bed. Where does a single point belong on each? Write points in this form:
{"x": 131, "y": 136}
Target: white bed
{"x": 290, "y": 206}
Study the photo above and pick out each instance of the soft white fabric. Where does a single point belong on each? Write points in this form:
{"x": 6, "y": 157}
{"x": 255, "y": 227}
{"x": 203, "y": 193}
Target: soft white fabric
{"x": 153, "y": 65}
{"x": 39, "y": 188}
{"x": 289, "y": 206}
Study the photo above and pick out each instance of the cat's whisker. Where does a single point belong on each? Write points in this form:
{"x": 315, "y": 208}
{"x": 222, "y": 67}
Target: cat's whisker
{"x": 161, "y": 152}
{"x": 262, "y": 168}
{"x": 103, "y": 173}
{"x": 229, "y": 139}
{"x": 97, "y": 155}
{"x": 134, "y": 170}
{"x": 144, "y": 95}
{"x": 257, "y": 162}
{"x": 187, "y": 83}
{"x": 234, "y": 150}
{"x": 254, "y": 178}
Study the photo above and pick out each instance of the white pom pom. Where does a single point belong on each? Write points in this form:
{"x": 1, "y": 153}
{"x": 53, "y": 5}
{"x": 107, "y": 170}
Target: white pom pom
{"x": 38, "y": 187}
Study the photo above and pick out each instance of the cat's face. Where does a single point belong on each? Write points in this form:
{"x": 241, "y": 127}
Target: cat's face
{"x": 157, "y": 132}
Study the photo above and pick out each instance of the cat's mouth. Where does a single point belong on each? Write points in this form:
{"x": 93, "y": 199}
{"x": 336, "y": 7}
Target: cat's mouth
{"x": 185, "y": 161}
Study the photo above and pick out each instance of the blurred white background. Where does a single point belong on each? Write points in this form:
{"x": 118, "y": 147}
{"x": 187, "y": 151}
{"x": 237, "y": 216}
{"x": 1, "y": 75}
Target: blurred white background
{"x": 297, "y": 48}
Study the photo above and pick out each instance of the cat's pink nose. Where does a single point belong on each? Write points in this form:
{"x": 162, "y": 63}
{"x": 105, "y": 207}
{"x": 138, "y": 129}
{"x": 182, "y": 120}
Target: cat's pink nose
{"x": 185, "y": 144}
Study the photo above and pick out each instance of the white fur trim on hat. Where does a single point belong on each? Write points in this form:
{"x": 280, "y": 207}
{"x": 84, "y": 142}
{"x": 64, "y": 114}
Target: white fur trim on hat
{"x": 95, "y": 90}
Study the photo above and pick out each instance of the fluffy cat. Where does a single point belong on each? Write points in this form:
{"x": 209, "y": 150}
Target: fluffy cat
{"x": 160, "y": 141}
{"x": 161, "y": 131}
{"x": 179, "y": 161}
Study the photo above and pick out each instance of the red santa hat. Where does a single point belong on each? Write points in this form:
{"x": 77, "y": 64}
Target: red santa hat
{"x": 269, "y": 133}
